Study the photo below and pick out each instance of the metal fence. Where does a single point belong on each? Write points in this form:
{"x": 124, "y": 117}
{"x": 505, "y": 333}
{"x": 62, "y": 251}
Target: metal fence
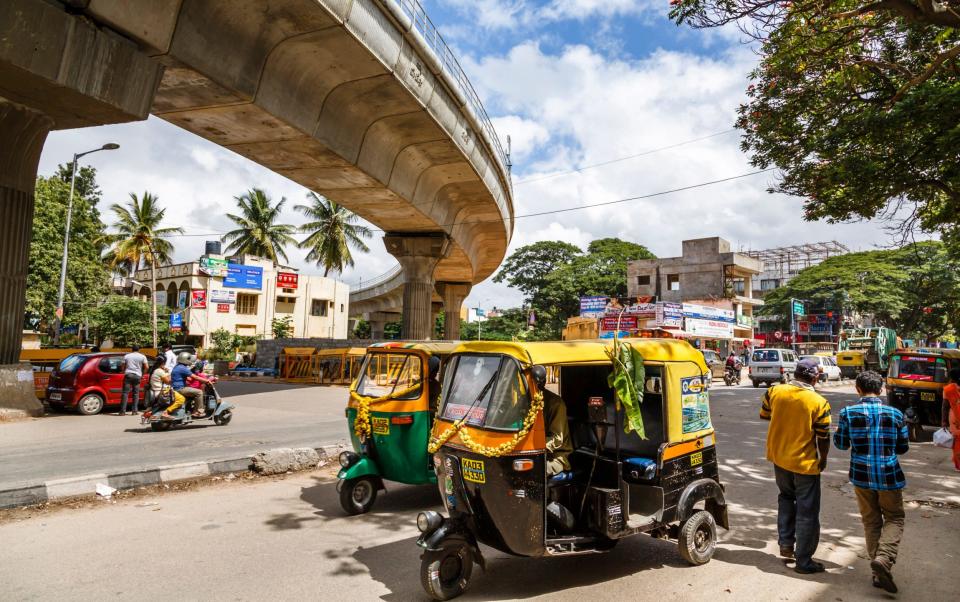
{"x": 364, "y": 285}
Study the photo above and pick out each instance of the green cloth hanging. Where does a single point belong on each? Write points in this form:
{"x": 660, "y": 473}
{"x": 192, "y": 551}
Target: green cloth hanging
{"x": 628, "y": 371}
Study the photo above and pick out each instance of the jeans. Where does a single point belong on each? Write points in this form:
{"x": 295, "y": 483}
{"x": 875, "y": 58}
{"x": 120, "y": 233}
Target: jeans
{"x": 130, "y": 382}
{"x": 798, "y": 513}
{"x": 882, "y": 515}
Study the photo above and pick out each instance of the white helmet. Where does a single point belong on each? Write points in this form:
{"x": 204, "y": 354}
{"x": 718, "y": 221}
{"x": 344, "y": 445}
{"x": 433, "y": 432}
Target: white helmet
{"x": 185, "y": 358}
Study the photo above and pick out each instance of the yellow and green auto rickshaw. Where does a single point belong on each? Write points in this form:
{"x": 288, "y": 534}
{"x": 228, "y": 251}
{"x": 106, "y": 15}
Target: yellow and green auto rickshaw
{"x": 389, "y": 415}
{"x": 915, "y": 381}
{"x": 644, "y": 457}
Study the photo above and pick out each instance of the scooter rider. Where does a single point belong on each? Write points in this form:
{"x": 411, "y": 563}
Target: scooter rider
{"x": 178, "y": 380}
{"x": 198, "y": 380}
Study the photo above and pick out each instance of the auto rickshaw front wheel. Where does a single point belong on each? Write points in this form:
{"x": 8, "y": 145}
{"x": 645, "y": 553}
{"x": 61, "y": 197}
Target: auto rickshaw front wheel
{"x": 445, "y": 573}
{"x": 698, "y": 538}
{"x": 358, "y": 495}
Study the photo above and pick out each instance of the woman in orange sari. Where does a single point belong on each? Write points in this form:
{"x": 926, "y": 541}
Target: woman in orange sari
{"x": 951, "y": 413}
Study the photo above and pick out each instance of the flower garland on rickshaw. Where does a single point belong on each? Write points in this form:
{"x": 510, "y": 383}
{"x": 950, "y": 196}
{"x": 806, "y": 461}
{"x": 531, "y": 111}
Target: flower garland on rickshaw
{"x": 361, "y": 424}
{"x": 459, "y": 426}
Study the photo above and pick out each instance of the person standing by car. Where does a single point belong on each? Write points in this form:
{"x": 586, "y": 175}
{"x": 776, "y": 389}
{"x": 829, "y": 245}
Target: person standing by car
{"x": 134, "y": 365}
{"x": 876, "y": 434}
{"x": 798, "y": 442}
{"x": 169, "y": 357}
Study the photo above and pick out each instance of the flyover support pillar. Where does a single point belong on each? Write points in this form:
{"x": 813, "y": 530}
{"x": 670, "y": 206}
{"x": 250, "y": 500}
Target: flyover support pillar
{"x": 418, "y": 255}
{"x": 453, "y": 294}
{"x": 23, "y": 132}
{"x": 378, "y": 321}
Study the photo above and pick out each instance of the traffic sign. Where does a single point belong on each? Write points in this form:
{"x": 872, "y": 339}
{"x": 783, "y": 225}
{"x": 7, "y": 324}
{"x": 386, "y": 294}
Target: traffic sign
{"x": 798, "y": 308}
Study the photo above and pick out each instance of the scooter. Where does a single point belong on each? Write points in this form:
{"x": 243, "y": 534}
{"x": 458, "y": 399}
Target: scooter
{"x": 215, "y": 408}
{"x": 731, "y": 376}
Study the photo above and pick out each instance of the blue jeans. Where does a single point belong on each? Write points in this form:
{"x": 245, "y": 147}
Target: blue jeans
{"x": 798, "y": 513}
{"x": 130, "y": 381}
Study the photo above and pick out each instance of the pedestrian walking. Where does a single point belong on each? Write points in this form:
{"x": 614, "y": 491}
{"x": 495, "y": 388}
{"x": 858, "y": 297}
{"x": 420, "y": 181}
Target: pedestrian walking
{"x": 134, "y": 365}
{"x": 951, "y": 413}
{"x": 798, "y": 441}
{"x": 875, "y": 434}
{"x": 170, "y": 358}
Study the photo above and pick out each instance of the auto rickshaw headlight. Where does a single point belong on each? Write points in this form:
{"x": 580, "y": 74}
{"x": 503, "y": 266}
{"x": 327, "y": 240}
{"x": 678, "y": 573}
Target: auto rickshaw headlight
{"x": 429, "y": 521}
{"x": 348, "y": 459}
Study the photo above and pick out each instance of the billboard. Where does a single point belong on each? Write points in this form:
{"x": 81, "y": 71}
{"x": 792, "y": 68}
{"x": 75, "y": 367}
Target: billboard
{"x": 704, "y": 312}
{"x": 243, "y": 276}
{"x": 287, "y": 280}
{"x": 592, "y": 307}
{"x": 213, "y": 267}
{"x": 669, "y": 315}
{"x": 218, "y": 295}
{"x": 713, "y": 329}
{"x": 625, "y": 322}
{"x": 198, "y": 299}
{"x": 161, "y": 297}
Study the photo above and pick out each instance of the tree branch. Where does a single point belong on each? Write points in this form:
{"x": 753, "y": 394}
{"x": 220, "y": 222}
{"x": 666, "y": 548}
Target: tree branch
{"x": 928, "y": 73}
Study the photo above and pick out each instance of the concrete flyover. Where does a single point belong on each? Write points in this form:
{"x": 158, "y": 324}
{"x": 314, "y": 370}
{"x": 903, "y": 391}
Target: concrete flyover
{"x": 358, "y": 100}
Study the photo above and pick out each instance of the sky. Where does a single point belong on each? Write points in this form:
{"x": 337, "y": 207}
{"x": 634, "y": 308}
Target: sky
{"x": 574, "y": 83}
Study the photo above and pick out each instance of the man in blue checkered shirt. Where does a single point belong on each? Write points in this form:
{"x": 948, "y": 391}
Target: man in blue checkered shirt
{"x": 875, "y": 434}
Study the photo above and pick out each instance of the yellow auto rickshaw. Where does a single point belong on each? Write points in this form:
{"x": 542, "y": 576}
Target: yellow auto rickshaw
{"x": 644, "y": 457}
{"x": 915, "y": 381}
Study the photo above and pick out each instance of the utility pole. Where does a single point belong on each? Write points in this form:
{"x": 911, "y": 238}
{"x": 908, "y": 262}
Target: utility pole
{"x": 66, "y": 239}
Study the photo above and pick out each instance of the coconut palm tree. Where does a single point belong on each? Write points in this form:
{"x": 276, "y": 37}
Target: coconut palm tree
{"x": 332, "y": 231}
{"x": 139, "y": 241}
{"x": 258, "y": 234}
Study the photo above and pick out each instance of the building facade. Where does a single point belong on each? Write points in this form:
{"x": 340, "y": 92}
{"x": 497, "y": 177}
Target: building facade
{"x": 708, "y": 274}
{"x": 243, "y": 295}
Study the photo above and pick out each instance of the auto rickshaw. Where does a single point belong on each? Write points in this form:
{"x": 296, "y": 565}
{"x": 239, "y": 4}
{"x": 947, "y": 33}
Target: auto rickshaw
{"x": 389, "y": 417}
{"x": 915, "y": 381}
{"x": 489, "y": 451}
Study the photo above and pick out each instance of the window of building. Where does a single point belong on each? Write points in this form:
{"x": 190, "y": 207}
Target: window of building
{"x": 643, "y": 280}
{"x": 738, "y": 287}
{"x": 318, "y": 307}
{"x": 246, "y": 304}
{"x": 769, "y": 284}
{"x": 673, "y": 282}
{"x": 286, "y": 305}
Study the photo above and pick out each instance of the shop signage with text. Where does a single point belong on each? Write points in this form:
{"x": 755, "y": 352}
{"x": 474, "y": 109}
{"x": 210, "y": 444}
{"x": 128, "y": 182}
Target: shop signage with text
{"x": 218, "y": 295}
{"x": 223, "y": 308}
{"x": 287, "y": 280}
{"x": 213, "y": 266}
{"x": 243, "y": 276}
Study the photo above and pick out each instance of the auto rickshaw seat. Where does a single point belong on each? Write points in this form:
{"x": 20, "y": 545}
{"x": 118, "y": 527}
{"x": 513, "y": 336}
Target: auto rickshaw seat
{"x": 561, "y": 478}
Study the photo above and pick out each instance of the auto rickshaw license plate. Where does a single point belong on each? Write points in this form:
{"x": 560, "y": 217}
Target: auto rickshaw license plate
{"x": 381, "y": 425}
{"x": 928, "y": 396}
{"x": 473, "y": 470}
{"x": 696, "y": 459}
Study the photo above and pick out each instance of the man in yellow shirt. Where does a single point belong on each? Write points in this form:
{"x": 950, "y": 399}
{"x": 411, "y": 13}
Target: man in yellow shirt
{"x": 798, "y": 442}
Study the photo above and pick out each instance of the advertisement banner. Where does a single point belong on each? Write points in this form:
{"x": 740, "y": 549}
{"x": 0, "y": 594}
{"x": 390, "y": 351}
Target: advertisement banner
{"x": 182, "y": 299}
{"x": 695, "y": 404}
{"x": 243, "y": 276}
{"x": 198, "y": 299}
{"x": 223, "y": 308}
{"x": 213, "y": 267}
{"x": 176, "y": 322}
{"x": 287, "y": 280}
{"x": 161, "y": 297}
{"x": 218, "y": 295}
{"x": 626, "y": 322}
{"x": 592, "y": 307}
{"x": 713, "y": 329}
{"x": 744, "y": 321}
{"x": 703, "y": 312}
{"x": 669, "y": 315}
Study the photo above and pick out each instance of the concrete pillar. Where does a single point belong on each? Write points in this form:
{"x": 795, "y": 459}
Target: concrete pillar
{"x": 418, "y": 255}
{"x": 435, "y": 308}
{"x": 378, "y": 320}
{"x": 23, "y": 132}
{"x": 453, "y": 294}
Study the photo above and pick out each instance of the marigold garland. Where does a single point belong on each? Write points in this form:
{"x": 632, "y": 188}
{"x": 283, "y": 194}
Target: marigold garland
{"x": 486, "y": 450}
{"x": 361, "y": 425}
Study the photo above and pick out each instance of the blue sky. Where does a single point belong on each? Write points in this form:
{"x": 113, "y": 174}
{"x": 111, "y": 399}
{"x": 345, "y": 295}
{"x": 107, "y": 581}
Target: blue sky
{"x": 574, "y": 83}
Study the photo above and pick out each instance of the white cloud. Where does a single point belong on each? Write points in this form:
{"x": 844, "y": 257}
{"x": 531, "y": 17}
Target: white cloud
{"x": 205, "y": 158}
{"x": 517, "y": 14}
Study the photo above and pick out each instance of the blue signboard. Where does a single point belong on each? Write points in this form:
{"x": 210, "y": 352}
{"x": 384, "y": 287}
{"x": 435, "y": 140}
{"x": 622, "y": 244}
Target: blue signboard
{"x": 592, "y": 307}
{"x": 243, "y": 276}
{"x": 176, "y": 321}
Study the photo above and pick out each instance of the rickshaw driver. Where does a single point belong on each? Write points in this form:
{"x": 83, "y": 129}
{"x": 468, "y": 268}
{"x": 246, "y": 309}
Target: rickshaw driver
{"x": 433, "y": 384}
{"x": 559, "y": 446}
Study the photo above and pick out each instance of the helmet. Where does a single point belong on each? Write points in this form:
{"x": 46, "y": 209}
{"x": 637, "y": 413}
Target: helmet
{"x": 185, "y": 358}
{"x": 434, "y": 365}
{"x": 539, "y": 376}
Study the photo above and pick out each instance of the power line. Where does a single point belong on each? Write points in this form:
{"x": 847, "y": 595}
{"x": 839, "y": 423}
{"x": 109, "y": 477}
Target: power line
{"x": 619, "y": 159}
{"x": 565, "y": 209}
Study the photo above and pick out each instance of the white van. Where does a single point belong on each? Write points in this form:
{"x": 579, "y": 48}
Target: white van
{"x": 772, "y": 366}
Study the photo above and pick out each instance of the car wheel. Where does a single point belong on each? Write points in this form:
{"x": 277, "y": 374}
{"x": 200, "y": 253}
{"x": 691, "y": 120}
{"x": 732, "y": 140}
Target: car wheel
{"x": 358, "y": 495}
{"x": 90, "y": 404}
{"x": 698, "y": 538}
{"x": 756, "y": 383}
{"x": 445, "y": 573}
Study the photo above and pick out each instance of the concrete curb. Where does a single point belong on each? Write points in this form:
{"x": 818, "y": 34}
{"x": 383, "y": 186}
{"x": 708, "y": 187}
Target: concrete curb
{"x": 84, "y": 485}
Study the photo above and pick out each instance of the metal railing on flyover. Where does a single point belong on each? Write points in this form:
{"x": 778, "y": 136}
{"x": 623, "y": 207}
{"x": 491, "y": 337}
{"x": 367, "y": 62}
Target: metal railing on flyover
{"x": 365, "y": 285}
{"x": 428, "y": 31}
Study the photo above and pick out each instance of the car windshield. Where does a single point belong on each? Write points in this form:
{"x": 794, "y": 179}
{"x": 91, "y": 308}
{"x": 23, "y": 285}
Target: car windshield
{"x": 70, "y": 363}
{"x": 711, "y": 356}
{"x": 918, "y": 367}
{"x": 765, "y": 355}
{"x": 488, "y": 389}
{"x": 815, "y": 358}
{"x": 395, "y": 375}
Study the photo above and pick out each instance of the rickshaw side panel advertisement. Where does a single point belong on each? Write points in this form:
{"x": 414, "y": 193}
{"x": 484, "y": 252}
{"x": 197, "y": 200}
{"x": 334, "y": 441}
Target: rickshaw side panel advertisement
{"x": 695, "y": 405}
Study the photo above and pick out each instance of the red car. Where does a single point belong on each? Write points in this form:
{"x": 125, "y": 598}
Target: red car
{"x": 88, "y": 382}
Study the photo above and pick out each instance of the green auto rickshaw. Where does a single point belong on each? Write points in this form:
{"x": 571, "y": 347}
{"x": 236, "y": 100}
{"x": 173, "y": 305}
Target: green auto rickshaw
{"x": 389, "y": 415}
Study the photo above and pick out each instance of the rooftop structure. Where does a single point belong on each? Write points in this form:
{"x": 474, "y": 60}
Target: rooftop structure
{"x": 783, "y": 263}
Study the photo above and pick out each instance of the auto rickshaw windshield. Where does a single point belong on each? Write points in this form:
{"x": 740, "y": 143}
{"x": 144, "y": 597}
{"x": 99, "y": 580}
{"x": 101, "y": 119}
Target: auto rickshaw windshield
{"x": 489, "y": 390}
{"x": 919, "y": 367}
{"x": 395, "y": 375}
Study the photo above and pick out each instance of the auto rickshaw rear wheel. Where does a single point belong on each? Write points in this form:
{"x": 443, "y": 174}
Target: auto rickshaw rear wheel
{"x": 698, "y": 538}
{"x": 358, "y": 495}
{"x": 445, "y": 573}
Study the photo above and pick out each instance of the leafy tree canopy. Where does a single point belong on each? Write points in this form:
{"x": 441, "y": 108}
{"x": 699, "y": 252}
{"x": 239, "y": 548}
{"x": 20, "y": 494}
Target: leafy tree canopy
{"x": 331, "y": 231}
{"x": 258, "y": 232}
{"x": 857, "y": 103}
{"x": 126, "y": 321}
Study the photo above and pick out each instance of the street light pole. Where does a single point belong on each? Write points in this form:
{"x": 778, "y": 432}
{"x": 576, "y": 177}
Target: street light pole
{"x": 66, "y": 238}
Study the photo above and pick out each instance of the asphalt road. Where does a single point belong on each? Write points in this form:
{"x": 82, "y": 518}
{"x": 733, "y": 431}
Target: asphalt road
{"x": 288, "y": 539}
{"x": 267, "y": 416}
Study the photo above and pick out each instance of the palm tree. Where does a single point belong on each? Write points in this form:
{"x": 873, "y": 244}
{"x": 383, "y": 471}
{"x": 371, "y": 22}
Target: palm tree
{"x": 258, "y": 234}
{"x": 139, "y": 240}
{"x": 332, "y": 232}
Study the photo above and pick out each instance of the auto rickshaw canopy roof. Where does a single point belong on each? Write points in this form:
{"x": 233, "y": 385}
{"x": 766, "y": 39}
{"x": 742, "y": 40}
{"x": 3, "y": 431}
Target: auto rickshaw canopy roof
{"x": 431, "y": 347}
{"x": 586, "y": 352}
{"x": 953, "y": 354}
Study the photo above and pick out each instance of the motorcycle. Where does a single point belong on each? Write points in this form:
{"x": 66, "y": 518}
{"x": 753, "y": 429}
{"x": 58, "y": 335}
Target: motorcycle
{"x": 731, "y": 376}
{"x": 215, "y": 408}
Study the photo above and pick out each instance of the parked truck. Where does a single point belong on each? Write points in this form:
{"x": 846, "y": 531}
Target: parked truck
{"x": 862, "y": 349}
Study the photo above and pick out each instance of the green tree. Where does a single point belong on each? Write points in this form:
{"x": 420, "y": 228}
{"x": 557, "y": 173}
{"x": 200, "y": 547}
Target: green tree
{"x": 125, "y": 321}
{"x": 258, "y": 232}
{"x": 87, "y": 278}
{"x": 138, "y": 241}
{"x": 331, "y": 232}
{"x": 281, "y": 327}
{"x": 527, "y": 268}
{"x": 855, "y": 102}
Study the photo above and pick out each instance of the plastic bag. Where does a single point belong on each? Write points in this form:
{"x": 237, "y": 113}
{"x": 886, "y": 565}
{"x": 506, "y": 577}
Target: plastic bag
{"x": 943, "y": 438}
